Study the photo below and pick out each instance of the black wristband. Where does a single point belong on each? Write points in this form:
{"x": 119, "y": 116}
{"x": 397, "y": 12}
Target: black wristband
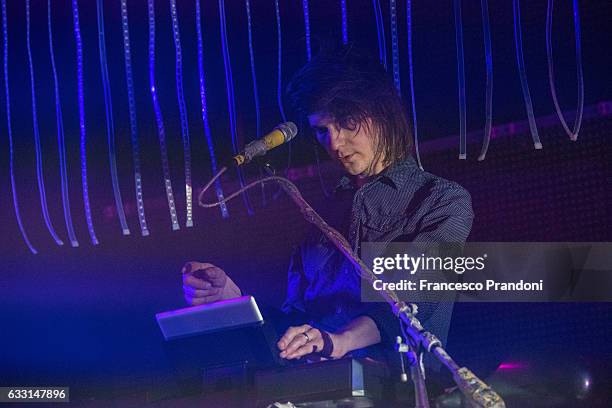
{"x": 328, "y": 345}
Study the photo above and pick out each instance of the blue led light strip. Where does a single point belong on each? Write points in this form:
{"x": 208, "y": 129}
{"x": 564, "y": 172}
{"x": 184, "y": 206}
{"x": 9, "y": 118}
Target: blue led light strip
{"x": 395, "y": 46}
{"x": 83, "y": 133}
{"x": 411, "y": 76}
{"x": 486, "y": 29}
{"x": 309, "y": 57}
{"x": 279, "y": 82}
{"x": 39, "y": 164}
{"x": 61, "y": 143}
{"x": 10, "y": 131}
{"x": 380, "y": 28}
{"x": 307, "y": 29}
{"x": 211, "y": 149}
{"x": 183, "y": 113}
{"x": 161, "y": 133}
{"x": 144, "y": 231}
{"x": 231, "y": 104}
{"x": 253, "y": 75}
{"x": 344, "y": 22}
{"x": 518, "y": 40}
{"x": 573, "y": 134}
{"x": 247, "y": 4}
{"x": 110, "y": 126}
{"x": 460, "y": 78}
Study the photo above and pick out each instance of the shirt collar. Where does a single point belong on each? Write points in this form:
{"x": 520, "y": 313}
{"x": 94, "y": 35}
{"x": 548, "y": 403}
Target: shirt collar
{"x": 395, "y": 175}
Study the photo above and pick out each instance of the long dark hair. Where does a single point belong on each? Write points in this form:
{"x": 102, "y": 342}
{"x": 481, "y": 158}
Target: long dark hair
{"x": 353, "y": 88}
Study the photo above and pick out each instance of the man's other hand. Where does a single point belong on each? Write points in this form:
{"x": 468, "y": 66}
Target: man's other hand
{"x": 203, "y": 283}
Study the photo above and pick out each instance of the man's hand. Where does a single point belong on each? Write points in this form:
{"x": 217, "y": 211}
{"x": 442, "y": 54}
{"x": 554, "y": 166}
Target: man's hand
{"x": 299, "y": 341}
{"x": 203, "y": 283}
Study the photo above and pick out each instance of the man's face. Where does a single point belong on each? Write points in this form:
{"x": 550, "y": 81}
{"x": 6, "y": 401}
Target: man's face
{"x": 353, "y": 149}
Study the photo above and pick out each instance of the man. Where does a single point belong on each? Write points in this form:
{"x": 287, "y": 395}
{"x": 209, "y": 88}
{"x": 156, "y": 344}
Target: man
{"x": 356, "y": 114}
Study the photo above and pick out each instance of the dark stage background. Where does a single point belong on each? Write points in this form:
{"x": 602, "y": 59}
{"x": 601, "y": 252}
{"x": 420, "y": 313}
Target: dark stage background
{"x": 84, "y": 316}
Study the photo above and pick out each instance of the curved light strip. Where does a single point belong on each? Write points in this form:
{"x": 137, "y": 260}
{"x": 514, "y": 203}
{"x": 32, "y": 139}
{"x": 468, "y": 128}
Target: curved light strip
{"x": 183, "y": 113}
{"x": 61, "y": 143}
{"x": 395, "y": 46}
{"x": 159, "y": 120}
{"x": 39, "y": 164}
{"x": 573, "y": 134}
{"x": 307, "y": 29}
{"x": 518, "y": 40}
{"x": 211, "y": 149}
{"x": 460, "y": 78}
{"x": 83, "y": 133}
{"x": 380, "y": 28}
{"x": 10, "y": 131}
{"x": 486, "y": 28}
{"x": 344, "y": 22}
{"x": 144, "y": 231}
{"x": 411, "y": 76}
{"x": 230, "y": 97}
{"x": 110, "y": 126}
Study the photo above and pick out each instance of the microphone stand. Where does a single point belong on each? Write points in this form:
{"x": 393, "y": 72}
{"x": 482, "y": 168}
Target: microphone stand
{"x": 477, "y": 393}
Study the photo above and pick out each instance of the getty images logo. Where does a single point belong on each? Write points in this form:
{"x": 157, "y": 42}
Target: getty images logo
{"x": 413, "y": 264}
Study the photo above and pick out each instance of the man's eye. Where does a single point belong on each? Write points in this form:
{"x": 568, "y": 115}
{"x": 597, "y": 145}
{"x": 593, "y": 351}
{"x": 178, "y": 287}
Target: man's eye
{"x": 320, "y": 132}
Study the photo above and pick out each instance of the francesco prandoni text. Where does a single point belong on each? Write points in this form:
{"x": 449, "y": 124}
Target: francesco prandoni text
{"x": 459, "y": 265}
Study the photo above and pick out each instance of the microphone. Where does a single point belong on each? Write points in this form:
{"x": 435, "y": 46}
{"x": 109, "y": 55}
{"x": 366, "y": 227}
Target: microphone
{"x": 281, "y": 134}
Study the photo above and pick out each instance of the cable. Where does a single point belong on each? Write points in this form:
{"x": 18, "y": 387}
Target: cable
{"x": 39, "y": 164}
{"x": 460, "y": 79}
{"x": 573, "y": 134}
{"x": 211, "y": 148}
{"x": 159, "y": 120}
{"x": 518, "y": 40}
{"x": 61, "y": 143}
{"x": 110, "y": 126}
{"x": 486, "y": 29}
{"x": 10, "y": 132}
{"x": 144, "y": 231}
{"x": 82, "y": 129}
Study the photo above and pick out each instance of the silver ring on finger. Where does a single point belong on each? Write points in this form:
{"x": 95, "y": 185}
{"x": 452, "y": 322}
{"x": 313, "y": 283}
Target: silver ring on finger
{"x": 307, "y": 337}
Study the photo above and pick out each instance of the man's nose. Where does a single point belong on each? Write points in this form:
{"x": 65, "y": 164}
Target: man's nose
{"x": 336, "y": 140}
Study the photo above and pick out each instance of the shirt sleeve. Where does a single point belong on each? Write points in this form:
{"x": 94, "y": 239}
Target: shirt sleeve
{"x": 447, "y": 220}
{"x": 294, "y": 302}
{"x": 450, "y": 217}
